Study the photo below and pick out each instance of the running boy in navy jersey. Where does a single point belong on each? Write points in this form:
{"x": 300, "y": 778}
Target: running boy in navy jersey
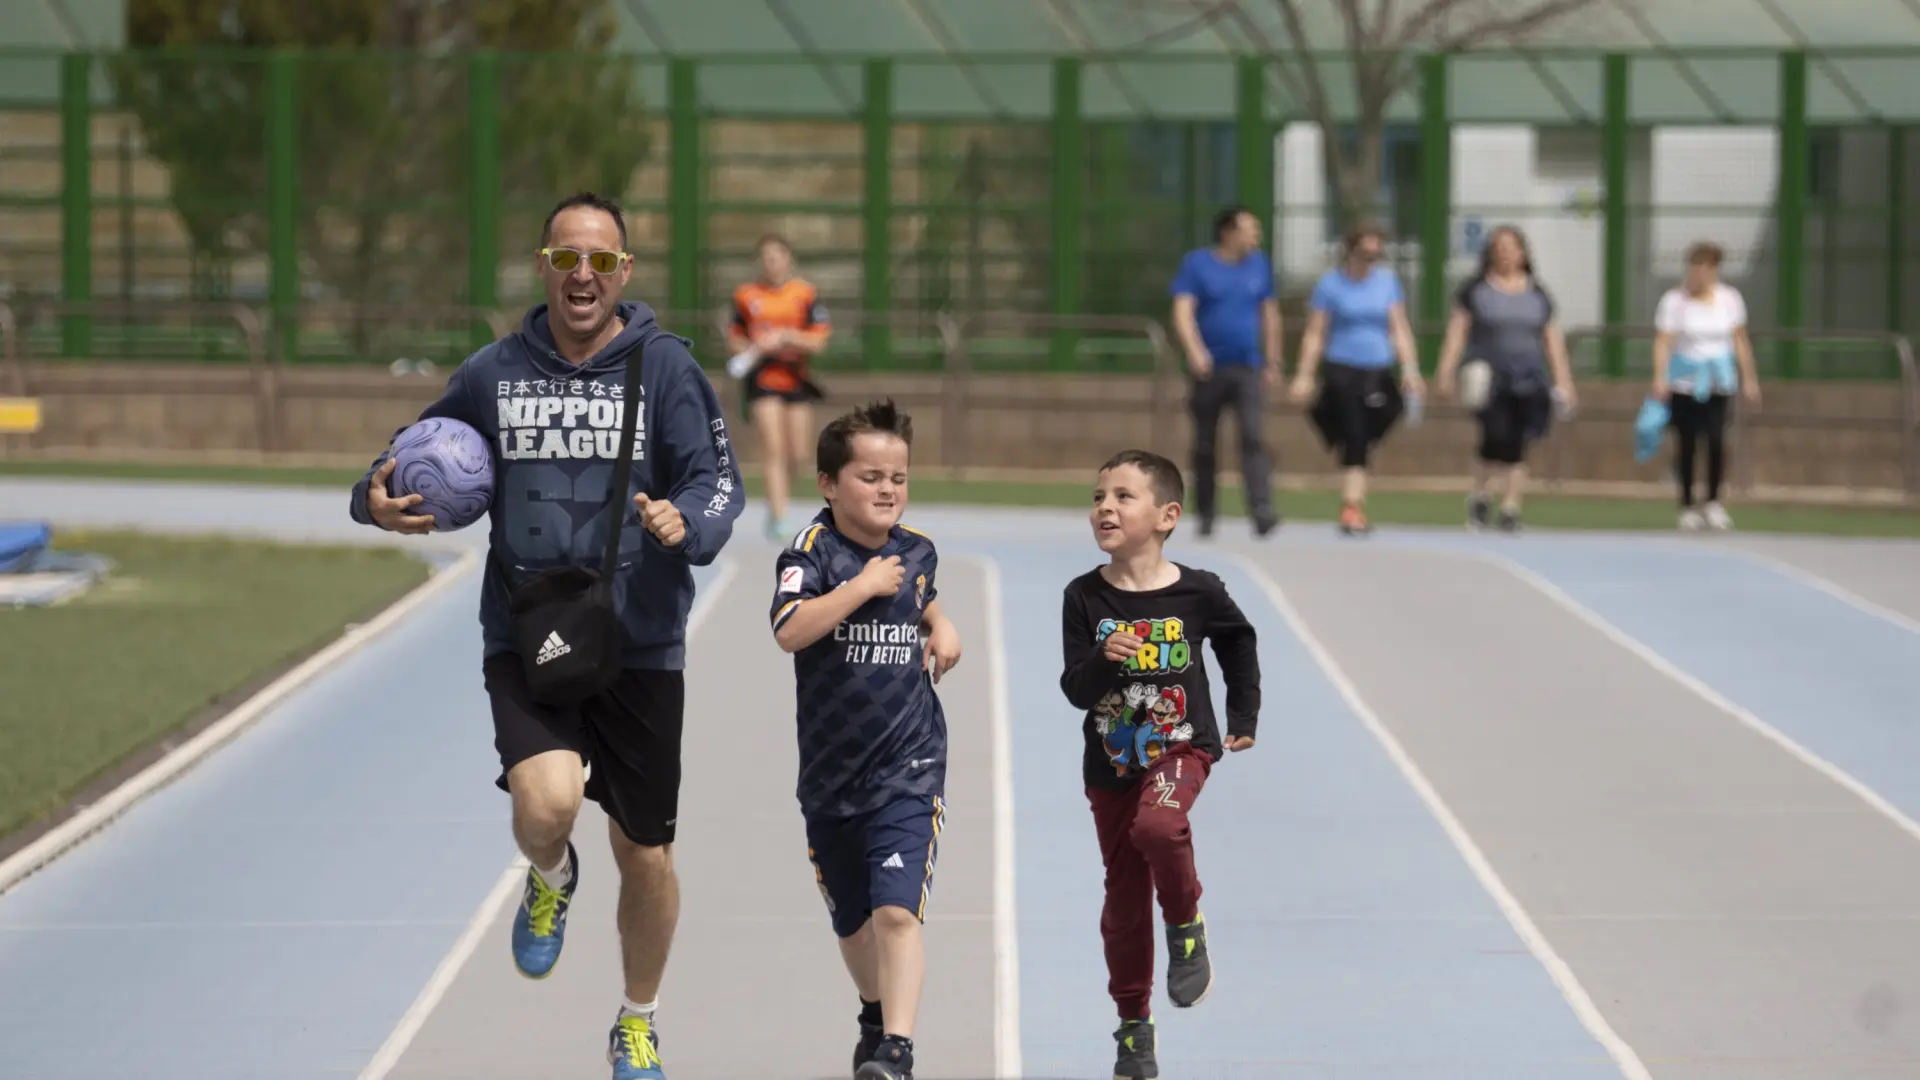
{"x": 1132, "y": 636}
{"x": 854, "y": 595}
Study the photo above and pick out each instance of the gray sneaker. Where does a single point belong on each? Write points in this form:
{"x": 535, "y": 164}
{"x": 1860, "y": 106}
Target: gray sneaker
{"x": 1134, "y": 1058}
{"x": 1189, "y": 972}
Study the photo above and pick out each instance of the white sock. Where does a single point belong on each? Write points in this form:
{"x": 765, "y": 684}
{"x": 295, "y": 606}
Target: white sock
{"x": 645, "y": 1012}
{"x": 559, "y": 876}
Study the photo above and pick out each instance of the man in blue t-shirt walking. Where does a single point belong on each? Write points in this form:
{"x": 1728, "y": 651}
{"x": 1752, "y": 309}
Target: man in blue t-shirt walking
{"x": 1228, "y": 321}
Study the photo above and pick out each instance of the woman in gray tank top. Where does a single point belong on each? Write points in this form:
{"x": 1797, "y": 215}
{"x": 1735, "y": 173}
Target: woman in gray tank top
{"x": 1502, "y": 316}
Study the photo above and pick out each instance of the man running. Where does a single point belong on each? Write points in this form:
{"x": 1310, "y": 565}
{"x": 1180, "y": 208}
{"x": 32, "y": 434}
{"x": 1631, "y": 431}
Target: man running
{"x": 533, "y": 394}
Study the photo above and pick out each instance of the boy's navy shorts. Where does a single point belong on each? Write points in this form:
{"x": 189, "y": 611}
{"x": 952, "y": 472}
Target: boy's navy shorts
{"x": 882, "y": 858}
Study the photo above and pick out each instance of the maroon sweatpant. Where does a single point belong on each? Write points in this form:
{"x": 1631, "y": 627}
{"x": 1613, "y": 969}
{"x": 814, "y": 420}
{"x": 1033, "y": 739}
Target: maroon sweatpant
{"x": 1147, "y": 845}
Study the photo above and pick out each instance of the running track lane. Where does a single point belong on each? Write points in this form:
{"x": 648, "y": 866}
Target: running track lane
{"x": 1351, "y": 940}
{"x": 1840, "y": 682}
{"x": 274, "y": 911}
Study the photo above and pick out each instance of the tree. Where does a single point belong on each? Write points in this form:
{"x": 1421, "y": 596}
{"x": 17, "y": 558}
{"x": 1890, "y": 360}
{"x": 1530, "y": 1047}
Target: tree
{"x": 382, "y": 125}
{"x": 1382, "y": 41}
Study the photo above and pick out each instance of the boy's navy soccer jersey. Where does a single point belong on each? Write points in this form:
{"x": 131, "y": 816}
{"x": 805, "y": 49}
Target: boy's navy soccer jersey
{"x": 870, "y": 726}
{"x": 873, "y": 738}
{"x": 1141, "y": 708}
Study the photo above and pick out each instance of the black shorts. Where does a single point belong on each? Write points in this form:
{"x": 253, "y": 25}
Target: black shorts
{"x": 880, "y": 859}
{"x": 629, "y": 737}
{"x": 1355, "y": 409}
{"x": 1511, "y": 421}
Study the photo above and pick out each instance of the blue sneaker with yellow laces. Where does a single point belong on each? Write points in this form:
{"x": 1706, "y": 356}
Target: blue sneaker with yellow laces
{"x": 633, "y": 1049}
{"x": 540, "y": 926}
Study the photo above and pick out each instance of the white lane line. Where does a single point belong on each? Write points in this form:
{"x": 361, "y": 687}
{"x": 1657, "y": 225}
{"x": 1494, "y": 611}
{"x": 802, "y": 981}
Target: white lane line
{"x": 97, "y": 815}
{"x": 504, "y": 890}
{"x": 1523, "y": 925}
{"x": 1706, "y": 693}
{"x": 1831, "y": 588}
{"x": 1006, "y": 942}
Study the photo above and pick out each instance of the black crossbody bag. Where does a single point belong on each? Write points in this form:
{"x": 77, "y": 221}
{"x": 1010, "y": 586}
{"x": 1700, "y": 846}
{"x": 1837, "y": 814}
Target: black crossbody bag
{"x": 570, "y": 639}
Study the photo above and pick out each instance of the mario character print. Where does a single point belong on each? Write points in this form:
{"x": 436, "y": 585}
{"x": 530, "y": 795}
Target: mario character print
{"x": 1137, "y": 724}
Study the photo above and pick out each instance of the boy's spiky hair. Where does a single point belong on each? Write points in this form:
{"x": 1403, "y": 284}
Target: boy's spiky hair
{"x": 835, "y": 448}
{"x": 1161, "y": 472}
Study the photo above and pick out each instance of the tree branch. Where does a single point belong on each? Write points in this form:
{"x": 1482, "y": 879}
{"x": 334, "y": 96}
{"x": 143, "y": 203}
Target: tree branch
{"x": 1428, "y": 23}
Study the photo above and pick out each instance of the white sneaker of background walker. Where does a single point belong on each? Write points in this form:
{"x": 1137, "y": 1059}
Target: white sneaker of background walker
{"x": 1691, "y": 521}
{"x": 1717, "y": 518}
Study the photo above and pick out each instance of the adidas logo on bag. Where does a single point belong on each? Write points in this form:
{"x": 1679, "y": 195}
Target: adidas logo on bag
{"x": 552, "y": 648}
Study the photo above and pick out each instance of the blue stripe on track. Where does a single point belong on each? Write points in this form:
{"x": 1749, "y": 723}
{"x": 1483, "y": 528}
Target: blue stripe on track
{"x": 1833, "y": 678}
{"x": 274, "y": 911}
{"x": 1350, "y": 939}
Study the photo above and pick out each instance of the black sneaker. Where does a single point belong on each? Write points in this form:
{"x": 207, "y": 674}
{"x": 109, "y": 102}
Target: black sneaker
{"x": 1134, "y": 1058}
{"x": 870, "y": 1036}
{"x": 1206, "y": 527}
{"x": 1477, "y": 512}
{"x": 1189, "y": 972}
{"x": 1509, "y": 521}
{"x": 1264, "y": 524}
{"x": 892, "y": 1060}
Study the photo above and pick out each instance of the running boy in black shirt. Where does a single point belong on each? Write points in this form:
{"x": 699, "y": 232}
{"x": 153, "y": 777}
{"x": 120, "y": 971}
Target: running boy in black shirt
{"x": 854, "y": 594}
{"x": 1132, "y": 634}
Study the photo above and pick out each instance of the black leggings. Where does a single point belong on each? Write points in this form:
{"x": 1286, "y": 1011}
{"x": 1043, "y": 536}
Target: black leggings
{"x": 1511, "y": 421}
{"x": 1693, "y": 420}
{"x": 1356, "y": 408}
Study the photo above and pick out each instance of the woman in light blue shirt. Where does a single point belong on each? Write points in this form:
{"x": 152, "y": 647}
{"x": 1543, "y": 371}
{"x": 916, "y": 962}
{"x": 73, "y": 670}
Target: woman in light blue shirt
{"x": 1357, "y": 320}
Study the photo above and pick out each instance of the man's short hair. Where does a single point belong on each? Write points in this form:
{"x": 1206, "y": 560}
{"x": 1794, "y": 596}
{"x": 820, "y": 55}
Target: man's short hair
{"x": 835, "y": 448}
{"x": 593, "y": 201}
{"x": 1227, "y": 220}
{"x": 1161, "y": 472}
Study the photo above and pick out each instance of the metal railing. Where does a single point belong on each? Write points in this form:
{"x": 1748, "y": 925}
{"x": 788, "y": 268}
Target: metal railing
{"x": 20, "y": 319}
{"x": 1907, "y": 423}
{"x": 978, "y": 365}
{"x": 1072, "y": 332}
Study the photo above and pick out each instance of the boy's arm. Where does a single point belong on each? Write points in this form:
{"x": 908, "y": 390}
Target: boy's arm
{"x": 455, "y": 403}
{"x": 1089, "y": 674}
{"x": 805, "y": 609}
{"x": 1236, "y": 645}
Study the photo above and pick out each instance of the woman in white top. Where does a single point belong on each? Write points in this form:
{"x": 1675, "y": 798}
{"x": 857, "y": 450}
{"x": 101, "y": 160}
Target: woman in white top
{"x": 1701, "y": 335}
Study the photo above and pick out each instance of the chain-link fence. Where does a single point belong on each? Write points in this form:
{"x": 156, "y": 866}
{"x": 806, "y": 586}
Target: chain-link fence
{"x": 1064, "y": 186}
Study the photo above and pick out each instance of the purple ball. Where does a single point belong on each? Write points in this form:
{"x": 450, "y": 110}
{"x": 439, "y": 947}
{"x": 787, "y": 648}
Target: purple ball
{"x": 448, "y": 464}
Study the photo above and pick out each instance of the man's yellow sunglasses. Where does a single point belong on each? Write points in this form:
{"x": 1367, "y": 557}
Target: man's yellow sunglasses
{"x": 600, "y": 262}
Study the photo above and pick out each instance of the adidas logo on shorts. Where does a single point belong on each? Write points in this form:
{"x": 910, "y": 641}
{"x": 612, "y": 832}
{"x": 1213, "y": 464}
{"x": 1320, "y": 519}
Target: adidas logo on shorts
{"x": 552, "y": 649}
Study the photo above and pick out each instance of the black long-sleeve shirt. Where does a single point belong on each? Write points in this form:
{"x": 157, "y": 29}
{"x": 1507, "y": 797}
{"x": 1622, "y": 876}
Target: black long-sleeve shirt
{"x": 1139, "y": 707}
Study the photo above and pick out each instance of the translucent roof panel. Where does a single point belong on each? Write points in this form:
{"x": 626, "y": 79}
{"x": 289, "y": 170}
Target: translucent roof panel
{"x": 1839, "y": 91}
{"x": 997, "y": 25}
{"x": 942, "y": 87}
{"x": 102, "y": 23}
{"x": 1133, "y": 25}
{"x": 861, "y": 26}
{"x": 1529, "y": 89}
{"x": 790, "y": 87}
{"x": 1704, "y": 90}
{"x": 717, "y": 26}
{"x": 1162, "y": 89}
{"x": 1694, "y": 61}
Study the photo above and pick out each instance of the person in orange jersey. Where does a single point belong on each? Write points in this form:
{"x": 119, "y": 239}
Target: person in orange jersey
{"x": 779, "y": 325}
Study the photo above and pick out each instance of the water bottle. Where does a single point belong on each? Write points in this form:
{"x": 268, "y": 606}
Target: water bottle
{"x": 1415, "y": 409}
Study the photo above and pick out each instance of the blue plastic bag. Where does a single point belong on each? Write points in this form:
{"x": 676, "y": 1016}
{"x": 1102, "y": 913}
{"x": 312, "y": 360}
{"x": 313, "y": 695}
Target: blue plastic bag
{"x": 1649, "y": 428}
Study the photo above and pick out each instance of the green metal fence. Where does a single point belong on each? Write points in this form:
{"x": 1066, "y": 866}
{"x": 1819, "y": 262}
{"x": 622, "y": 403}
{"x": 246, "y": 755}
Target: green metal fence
{"x": 326, "y": 182}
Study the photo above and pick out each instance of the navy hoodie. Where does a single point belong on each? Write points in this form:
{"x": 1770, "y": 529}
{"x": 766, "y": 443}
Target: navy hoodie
{"x": 555, "y": 432}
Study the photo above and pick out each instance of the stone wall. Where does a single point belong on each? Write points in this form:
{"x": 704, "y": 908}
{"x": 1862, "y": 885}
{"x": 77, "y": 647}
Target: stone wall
{"x": 1809, "y": 435}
